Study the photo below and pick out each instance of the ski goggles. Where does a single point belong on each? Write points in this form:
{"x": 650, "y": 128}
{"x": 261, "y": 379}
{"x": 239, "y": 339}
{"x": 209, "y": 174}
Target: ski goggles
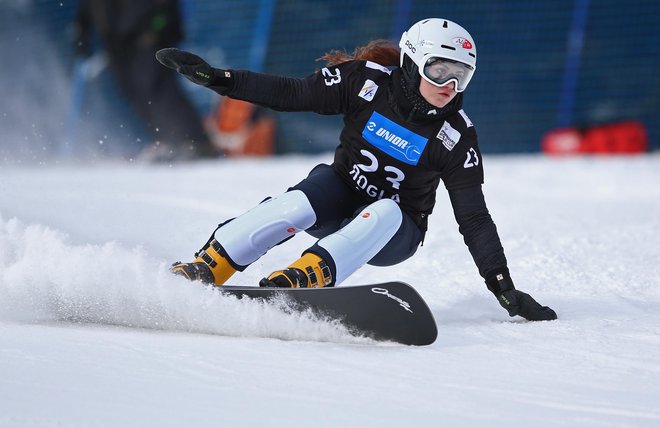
{"x": 442, "y": 71}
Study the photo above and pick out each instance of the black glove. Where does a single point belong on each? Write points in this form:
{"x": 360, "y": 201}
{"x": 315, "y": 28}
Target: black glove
{"x": 194, "y": 68}
{"x": 516, "y": 302}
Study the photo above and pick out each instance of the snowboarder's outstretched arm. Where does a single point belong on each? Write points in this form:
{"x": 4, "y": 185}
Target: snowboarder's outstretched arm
{"x": 481, "y": 237}
{"x": 316, "y": 93}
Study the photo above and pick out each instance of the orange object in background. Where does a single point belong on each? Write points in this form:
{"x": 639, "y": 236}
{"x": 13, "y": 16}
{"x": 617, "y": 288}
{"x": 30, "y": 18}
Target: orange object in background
{"x": 239, "y": 128}
{"x": 613, "y": 138}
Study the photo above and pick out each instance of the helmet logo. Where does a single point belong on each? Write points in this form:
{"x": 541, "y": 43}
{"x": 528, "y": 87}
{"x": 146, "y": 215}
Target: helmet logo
{"x": 410, "y": 46}
{"x": 462, "y": 42}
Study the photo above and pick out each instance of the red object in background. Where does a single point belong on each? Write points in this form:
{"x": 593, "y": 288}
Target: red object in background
{"x": 563, "y": 141}
{"x": 612, "y": 138}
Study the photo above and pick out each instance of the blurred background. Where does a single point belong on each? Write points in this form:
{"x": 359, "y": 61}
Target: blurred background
{"x": 70, "y": 91}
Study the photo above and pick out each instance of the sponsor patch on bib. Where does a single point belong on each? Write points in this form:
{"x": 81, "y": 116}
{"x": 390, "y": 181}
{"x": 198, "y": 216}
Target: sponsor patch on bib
{"x": 394, "y": 139}
{"x": 368, "y": 91}
{"x": 448, "y": 135}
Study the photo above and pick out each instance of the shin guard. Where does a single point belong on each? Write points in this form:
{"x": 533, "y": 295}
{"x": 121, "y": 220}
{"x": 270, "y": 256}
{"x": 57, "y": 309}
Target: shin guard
{"x": 361, "y": 239}
{"x": 250, "y": 235}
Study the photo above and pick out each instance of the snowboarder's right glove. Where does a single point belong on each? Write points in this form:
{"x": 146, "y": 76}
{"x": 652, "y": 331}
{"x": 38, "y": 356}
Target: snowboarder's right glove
{"x": 516, "y": 302}
{"x": 194, "y": 68}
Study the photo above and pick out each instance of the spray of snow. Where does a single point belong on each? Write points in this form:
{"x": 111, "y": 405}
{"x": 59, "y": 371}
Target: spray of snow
{"x": 45, "y": 278}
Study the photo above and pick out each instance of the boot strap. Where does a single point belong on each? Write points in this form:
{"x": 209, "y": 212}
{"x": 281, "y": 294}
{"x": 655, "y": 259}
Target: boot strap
{"x": 206, "y": 257}
{"x": 325, "y": 273}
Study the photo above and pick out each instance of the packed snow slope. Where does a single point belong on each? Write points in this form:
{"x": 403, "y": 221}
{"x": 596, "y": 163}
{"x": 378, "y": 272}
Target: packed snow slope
{"x": 94, "y": 331}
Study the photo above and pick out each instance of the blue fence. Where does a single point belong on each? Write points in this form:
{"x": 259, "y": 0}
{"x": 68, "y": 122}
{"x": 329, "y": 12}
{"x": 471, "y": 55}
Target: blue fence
{"x": 542, "y": 64}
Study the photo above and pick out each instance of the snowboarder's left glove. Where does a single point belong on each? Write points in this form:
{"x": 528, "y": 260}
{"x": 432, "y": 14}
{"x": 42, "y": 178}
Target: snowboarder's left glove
{"x": 194, "y": 68}
{"x": 516, "y": 302}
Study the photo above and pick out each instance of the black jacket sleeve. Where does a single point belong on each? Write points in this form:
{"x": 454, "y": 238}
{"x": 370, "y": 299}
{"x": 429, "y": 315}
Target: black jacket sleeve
{"x": 276, "y": 92}
{"x": 478, "y": 230}
{"x": 327, "y": 91}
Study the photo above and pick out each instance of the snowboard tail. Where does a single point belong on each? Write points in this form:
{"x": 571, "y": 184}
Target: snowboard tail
{"x": 390, "y": 311}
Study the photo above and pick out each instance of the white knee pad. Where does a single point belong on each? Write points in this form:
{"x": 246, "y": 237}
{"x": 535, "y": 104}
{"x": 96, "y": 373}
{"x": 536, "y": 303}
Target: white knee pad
{"x": 361, "y": 239}
{"x": 249, "y": 236}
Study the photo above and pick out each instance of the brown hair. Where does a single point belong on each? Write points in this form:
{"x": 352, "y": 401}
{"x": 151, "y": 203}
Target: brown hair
{"x": 380, "y": 51}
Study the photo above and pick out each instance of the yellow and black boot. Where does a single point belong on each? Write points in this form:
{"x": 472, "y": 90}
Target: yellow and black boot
{"x": 209, "y": 266}
{"x": 309, "y": 271}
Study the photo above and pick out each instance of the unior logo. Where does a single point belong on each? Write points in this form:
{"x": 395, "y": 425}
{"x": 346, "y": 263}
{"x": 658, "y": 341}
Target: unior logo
{"x": 394, "y": 139}
{"x": 385, "y": 292}
{"x": 410, "y": 151}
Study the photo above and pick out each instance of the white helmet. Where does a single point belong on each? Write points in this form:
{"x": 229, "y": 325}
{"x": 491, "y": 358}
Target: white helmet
{"x": 442, "y": 50}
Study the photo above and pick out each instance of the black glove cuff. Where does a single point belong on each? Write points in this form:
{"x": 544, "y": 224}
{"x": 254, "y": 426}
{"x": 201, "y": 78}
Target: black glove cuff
{"x": 223, "y": 80}
{"x": 499, "y": 282}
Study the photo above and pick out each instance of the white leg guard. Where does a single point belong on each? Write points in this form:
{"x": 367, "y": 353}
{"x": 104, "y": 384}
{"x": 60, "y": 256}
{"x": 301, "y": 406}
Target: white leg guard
{"x": 249, "y": 236}
{"x": 361, "y": 239}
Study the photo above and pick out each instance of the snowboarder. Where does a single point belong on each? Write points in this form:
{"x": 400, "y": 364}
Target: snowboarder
{"x": 404, "y": 131}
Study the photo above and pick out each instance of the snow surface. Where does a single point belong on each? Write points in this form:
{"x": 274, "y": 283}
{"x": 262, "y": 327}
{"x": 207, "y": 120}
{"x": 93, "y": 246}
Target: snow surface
{"x": 95, "y": 332}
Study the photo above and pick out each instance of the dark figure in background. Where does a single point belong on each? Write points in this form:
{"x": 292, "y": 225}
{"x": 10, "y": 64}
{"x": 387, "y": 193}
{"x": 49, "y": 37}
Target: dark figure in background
{"x": 130, "y": 32}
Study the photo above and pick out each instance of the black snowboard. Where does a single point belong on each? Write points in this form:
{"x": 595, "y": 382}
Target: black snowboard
{"x": 391, "y": 311}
